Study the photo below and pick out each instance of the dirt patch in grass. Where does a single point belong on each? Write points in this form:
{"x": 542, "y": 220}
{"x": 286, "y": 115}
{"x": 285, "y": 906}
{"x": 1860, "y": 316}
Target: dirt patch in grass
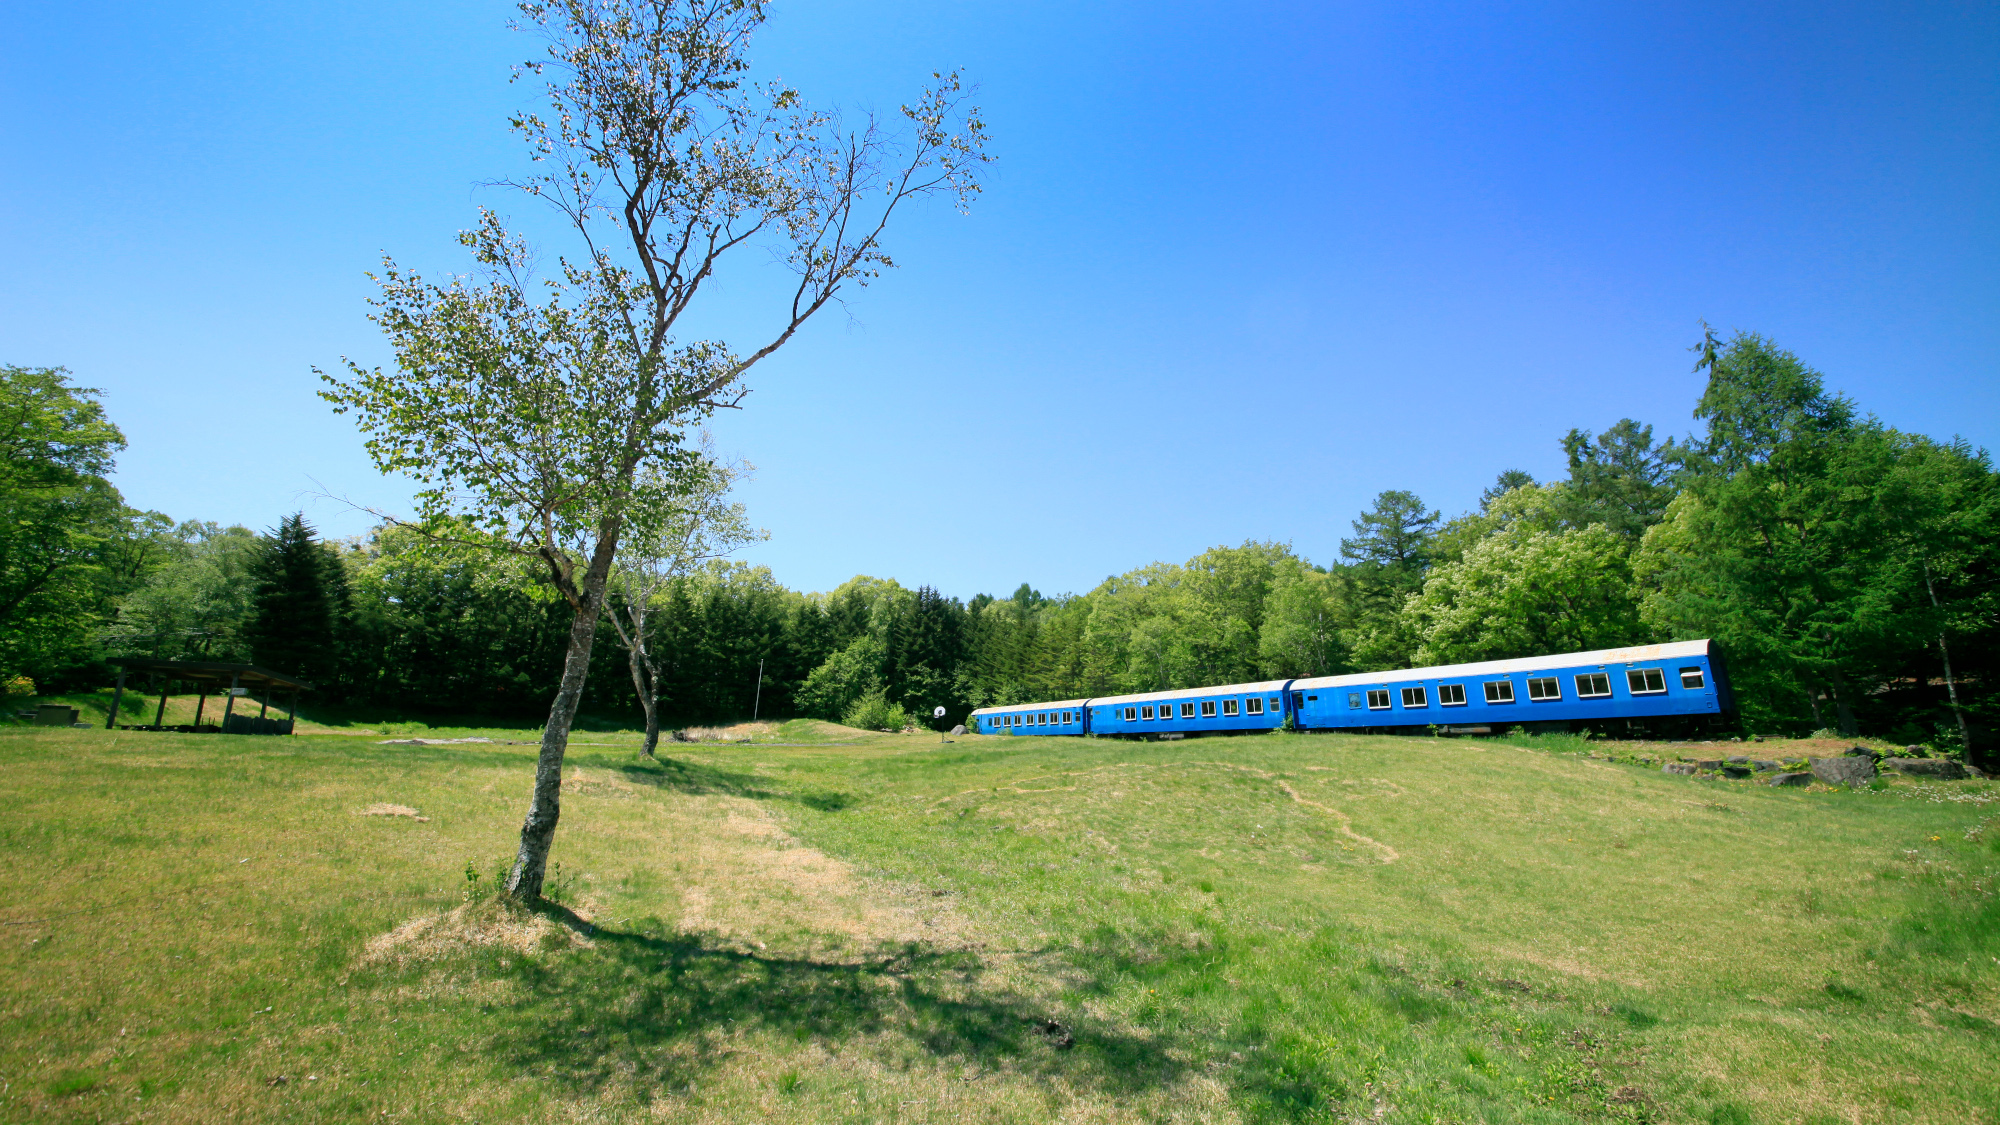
{"x": 380, "y": 808}
{"x": 758, "y": 886}
{"x": 738, "y": 732}
{"x": 487, "y": 923}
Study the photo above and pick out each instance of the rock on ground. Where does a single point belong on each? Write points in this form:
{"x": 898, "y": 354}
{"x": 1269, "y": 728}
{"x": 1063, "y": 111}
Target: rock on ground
{"x": 1684, "y": 768}
{"x": 1792, "y": 779}
{"x": 1942, "y": 768}
{"x": 1844, "y": 770}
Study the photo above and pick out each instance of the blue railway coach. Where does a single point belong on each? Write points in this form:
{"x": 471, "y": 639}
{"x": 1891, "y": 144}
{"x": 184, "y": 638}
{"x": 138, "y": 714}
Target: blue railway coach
{"x": 1679, "y": 680}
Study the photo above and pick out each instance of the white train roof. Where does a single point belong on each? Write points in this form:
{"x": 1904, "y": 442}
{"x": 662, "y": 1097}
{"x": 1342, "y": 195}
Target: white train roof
{"x": 1192, "y": 693}
{"x": 1637, "y": 654}
{"x": 1060, "y": 703}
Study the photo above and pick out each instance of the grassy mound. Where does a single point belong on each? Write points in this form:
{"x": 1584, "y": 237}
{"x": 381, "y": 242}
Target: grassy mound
{"x": 822, "y": 925}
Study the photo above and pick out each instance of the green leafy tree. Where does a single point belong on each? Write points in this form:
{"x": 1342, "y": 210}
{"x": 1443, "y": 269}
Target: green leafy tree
{"x": 59, "y": 518}
{"x": 298, "y": 605}
{"x": 1306, "y": 620}
{"x": 1508, "y": 481}
{"x": 1782, "y": 539}
{"x": 547, "y": 415}
{"x": 1620, "y": 478}
{"x": 196, "y": 602}
{"x": 1528, "y": 592}
{"x": 1393, "y": 546}
{"x": 702, "y": 525}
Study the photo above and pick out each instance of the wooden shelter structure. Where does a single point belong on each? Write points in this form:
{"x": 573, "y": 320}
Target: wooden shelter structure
{"x": 238, "y": 678}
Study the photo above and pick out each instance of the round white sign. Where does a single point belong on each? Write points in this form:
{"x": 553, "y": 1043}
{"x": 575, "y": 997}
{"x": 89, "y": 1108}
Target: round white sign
{"x": 938, "y": 714}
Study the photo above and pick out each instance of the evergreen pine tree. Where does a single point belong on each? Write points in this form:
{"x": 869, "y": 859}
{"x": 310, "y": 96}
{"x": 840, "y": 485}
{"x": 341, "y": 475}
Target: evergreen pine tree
{"x": 293, "y": 620}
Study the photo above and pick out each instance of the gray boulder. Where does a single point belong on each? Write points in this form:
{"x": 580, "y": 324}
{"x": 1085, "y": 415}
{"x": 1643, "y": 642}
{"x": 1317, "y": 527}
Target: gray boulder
{"x": 1708, "y": 763}
{"x": 1792, "y": 779}
{"x": 1844, "y": 770}
{"x": 958, "y": 730}
{"x": 1740, "y": 760}
{"x": 1683, "y": 768}
{"x": 1862, "y": 752}
{"x": 1736, "y": 771}
{"x": 1766, "y": 766}
{"x": 1942, "y": 768}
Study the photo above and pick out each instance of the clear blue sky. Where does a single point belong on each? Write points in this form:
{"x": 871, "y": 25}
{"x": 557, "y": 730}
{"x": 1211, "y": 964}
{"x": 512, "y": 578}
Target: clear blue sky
{"x": 1238, "y": 269}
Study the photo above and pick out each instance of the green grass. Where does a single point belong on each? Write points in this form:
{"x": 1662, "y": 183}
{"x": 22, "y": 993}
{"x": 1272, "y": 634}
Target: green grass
{"x": 882, "y": 928}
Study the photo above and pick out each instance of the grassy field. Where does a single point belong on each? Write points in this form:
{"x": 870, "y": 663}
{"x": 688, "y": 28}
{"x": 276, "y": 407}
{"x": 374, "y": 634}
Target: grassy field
{"x": 823, "y": 925}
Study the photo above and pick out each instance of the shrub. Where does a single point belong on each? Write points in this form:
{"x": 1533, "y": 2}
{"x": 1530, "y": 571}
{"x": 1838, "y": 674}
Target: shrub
{"x": 873, "y": 711}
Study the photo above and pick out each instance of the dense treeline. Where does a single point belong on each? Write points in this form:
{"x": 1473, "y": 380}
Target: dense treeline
{"x": 1848, "y": 569}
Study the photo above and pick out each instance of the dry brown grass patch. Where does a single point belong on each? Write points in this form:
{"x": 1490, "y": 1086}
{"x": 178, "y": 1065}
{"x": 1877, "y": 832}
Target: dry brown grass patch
{"x": 381, "y": 808}
{"x": 739, "y": 732}
{"x": 491, "y": 922}
{"x": 761, "y": 885}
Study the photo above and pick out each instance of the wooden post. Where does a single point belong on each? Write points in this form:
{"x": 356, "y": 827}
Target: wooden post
{"x": 228, "y": 709}
{"x": 264, "y": 704}
{"x": 160, "y": 716}
{"x": 292, "y": 712}
{"x": 118, "y": 693}
{"x": 200, "y": 701}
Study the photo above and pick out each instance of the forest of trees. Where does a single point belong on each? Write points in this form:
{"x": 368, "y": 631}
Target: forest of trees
{"x": 1843, "y": 565}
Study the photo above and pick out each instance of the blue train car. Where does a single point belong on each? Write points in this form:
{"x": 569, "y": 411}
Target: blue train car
{"x": 1679, "y": 680}
{"x": 1065, "y": 716}
{"x": 1683, "y": 678}
{"x": 1177, "y": 714}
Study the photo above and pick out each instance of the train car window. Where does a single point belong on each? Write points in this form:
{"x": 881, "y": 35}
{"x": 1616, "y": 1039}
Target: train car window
{"x": 1593, "y": 685}
{"x": 1415, "y": 697}
{"x": 1378, "y": 700}
{"x": 1690, "y": 678}
{"x": 1208, "y": 708}
{"x": 1451, "y": 695}
{"x": 1254, "y": 705}
{"x": 1145, "y": 712}
{"x": 1545, "y": 687}
{"x": 1166, "y": 712}
{"x": 1353, "y": 699}
{"x": 1646, "y": 681}
{"x": 1277, "y": 703}
{"x": 1066, "y": 718}
{"x": 1228, "y": 707}
{"x": 1499, "y": 691}
{"x": 1299, "y": 699}
{"x": 1131, "y": 714}
{"x": 1042, "y": 719}
{"x": 1187, "y": 710}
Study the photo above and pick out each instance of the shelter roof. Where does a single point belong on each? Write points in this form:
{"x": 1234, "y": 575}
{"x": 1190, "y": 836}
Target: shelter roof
{"x": 198, "y": 672}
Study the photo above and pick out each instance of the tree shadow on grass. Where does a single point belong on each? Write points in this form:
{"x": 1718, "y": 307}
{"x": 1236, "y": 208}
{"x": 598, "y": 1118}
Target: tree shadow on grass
{"x": 641, "y": 1014}
{"x": 696, "y": 779}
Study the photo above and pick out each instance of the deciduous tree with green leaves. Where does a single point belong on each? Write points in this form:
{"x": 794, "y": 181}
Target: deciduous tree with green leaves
{"x": 544, "y": 414}
{"x": 58, "y": 515}
{"x": 700, "y": 524}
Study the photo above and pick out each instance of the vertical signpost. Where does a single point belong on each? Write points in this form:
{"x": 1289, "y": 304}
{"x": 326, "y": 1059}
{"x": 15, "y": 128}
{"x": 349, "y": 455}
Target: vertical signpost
{"x": 938, "y": 713}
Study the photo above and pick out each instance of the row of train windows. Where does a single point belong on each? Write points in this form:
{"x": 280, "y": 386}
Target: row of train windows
{"x": 1038, "y": 719}
{"x": 1589, "y": 685}
{"x": 1251, "y": 706}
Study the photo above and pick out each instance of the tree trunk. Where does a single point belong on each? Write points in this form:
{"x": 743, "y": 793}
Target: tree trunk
{"x": 1950, "y": 682}
{"x": 538, "y": 831}
{"x": 652, "y": 725}
{"x": 642, "y": 685}
{"x": 1843, "y": 711}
